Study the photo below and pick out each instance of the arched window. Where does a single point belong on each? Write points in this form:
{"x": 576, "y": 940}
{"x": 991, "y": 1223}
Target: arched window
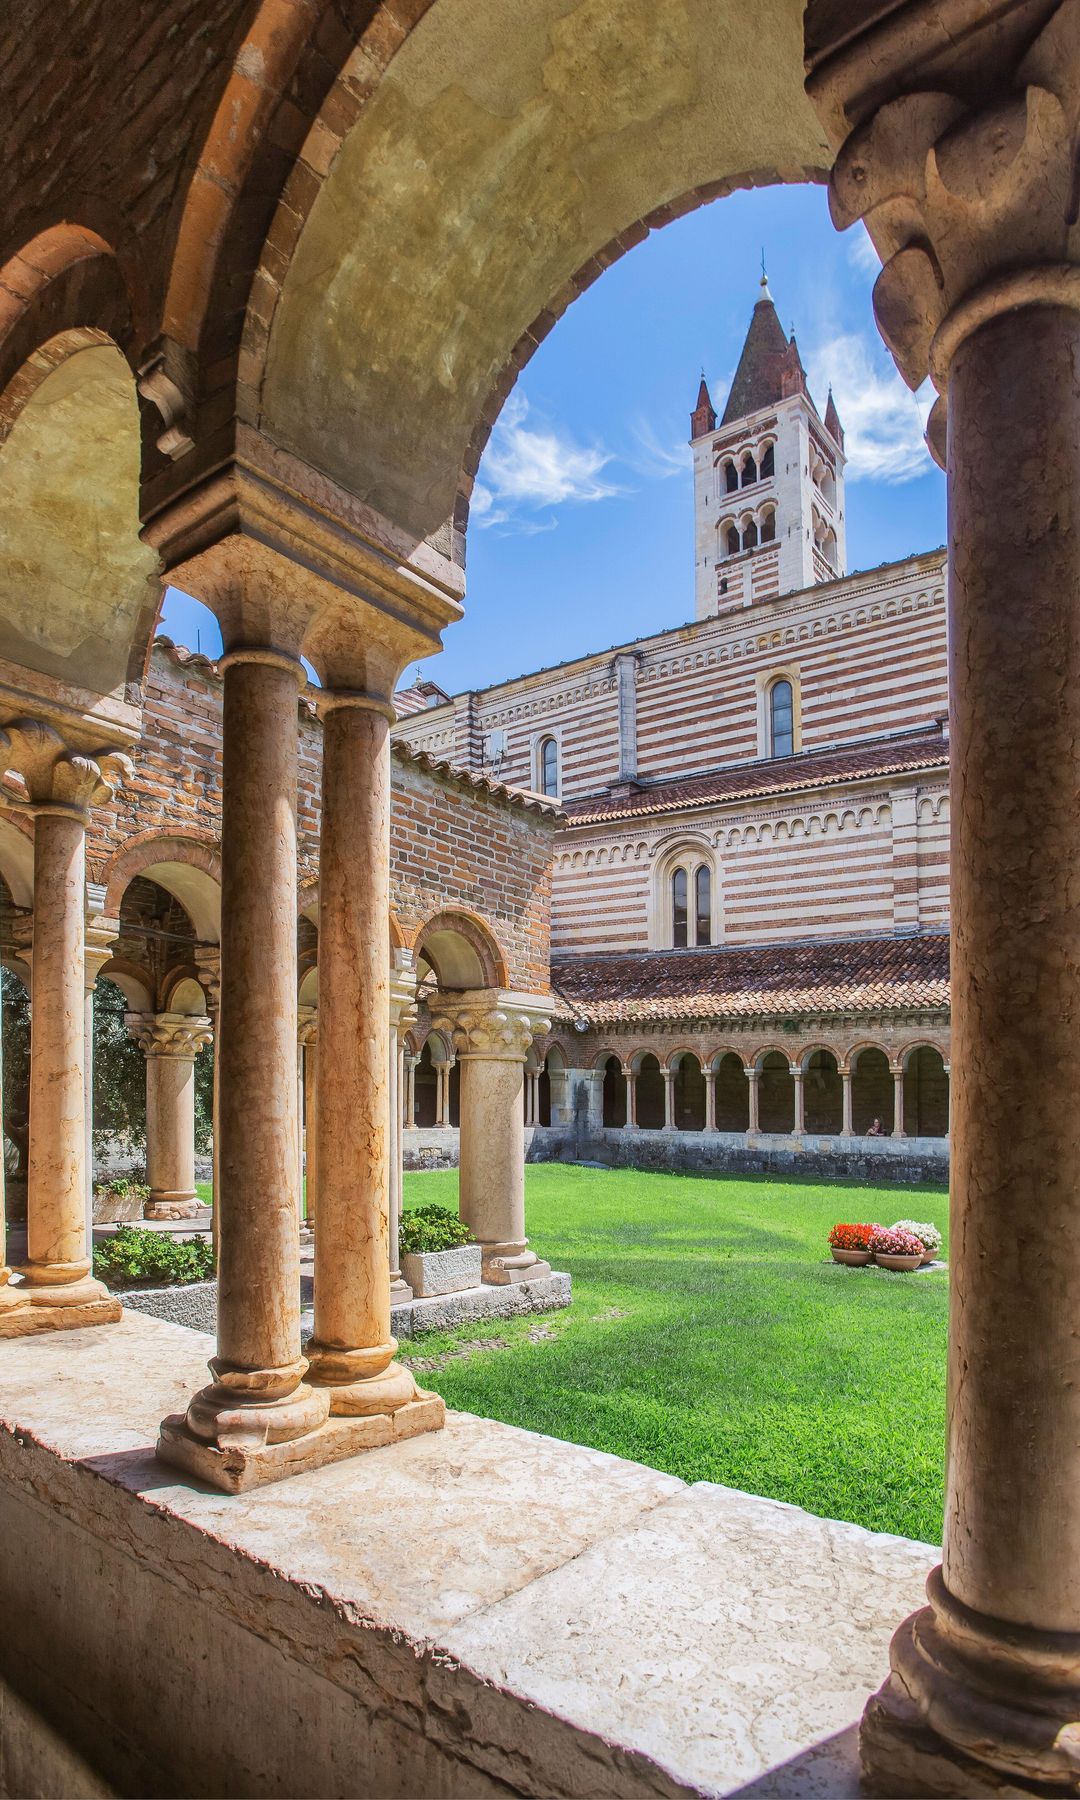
{"x": 702, "y": 905}
{"x": 768, "y": 463}
{"x": 781, "y": 719}
{"x": 679, "y": 910}
{"x": 549, "y": 768}
{"x": 768, "y": 528}
{"x": 733, "y": 543}
{"x": 731, "y": 477}
{"x": 749, "y": 472}
{"x": 749, "y": 536}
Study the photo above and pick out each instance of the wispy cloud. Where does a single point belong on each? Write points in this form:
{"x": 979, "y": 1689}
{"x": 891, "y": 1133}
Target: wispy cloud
{"x": 883, "y": 420}
{"x": 862, "y": 253}
{"x": 533, "y": 468}
{"x": 655, "y": 460}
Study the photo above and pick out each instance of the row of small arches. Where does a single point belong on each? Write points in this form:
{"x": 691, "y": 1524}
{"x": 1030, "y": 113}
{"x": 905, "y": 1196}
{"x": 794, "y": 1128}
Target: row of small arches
{"x": 733, "y": 538}
{"x": 736, "y": 473}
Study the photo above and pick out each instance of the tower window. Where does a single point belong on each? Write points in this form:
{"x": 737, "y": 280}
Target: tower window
{"x": 549, "y": 768}
{"x": 731, "y": 477}
{"x": 768, "y": 463}
{"x": 733, "y": 543}
{"x": 768, "y": 528}
{"x": 702, "y": 905}
{"x": 750, "y": 537}
{"x": 679, "y": 916}
{"x": 781, "y": 719}
{"x": 749, "y": 472}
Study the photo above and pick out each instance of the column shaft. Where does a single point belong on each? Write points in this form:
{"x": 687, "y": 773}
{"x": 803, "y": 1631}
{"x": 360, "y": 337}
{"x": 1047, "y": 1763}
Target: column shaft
{"x": 669, "y": 1099}
{"x": 170, "y": 1133}
{"x": 352, "y": 1349}
{"x": 845, "y": 1126}
{"x": 898, "y": 1103}
{"x": 753, "y": 1077}
{"x": 492, "y": 1166}
{"x": 799, "y": 1125}
{"x": 710, "y": 1099}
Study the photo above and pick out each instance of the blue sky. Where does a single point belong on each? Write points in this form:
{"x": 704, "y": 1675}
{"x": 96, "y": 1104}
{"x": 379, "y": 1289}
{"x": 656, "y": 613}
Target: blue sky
{"x": 581, "y": 533}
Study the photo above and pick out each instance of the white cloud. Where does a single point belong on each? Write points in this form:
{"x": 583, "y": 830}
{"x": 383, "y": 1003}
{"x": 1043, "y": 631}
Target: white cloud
{"x": 657, "y": 461}
{"x": 862, "y": 253}
{"x": 883, "y": 420}
{"x": 528, "y": 468}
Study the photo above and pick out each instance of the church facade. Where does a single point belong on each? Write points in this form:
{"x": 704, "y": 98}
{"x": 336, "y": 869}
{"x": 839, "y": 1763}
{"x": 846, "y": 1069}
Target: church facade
{"x": 750, "y": 890}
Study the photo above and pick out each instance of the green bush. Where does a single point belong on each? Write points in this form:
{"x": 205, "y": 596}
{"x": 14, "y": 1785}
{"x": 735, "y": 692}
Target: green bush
{"x": 125, "y": 1187}
{"x": 135, "y": 1257}
{"x": 428, "y": 1228}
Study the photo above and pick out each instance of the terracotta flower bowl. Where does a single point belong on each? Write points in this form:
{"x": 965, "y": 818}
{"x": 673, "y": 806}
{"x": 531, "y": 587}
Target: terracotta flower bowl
{"x": 856, "y": 1259}
{"x": 903, "y": 1265}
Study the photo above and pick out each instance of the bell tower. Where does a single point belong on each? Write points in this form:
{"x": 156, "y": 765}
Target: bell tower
{"x": 768, "y": 478}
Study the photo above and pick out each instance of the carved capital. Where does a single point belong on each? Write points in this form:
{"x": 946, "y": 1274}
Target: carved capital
{"x": 170, "y": 1034}
{"x": 492, "y": 1024}
{"x": 207, "y": 959}
{"x": 961, "y": 163}
{"x": 307, "y": 1028}
{"x": 402, "y": 1000}
{"x": 40, "y": 771}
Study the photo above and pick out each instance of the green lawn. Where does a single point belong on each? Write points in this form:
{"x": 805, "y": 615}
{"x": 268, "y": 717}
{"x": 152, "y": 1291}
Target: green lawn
{"x": 710, "y": 1337}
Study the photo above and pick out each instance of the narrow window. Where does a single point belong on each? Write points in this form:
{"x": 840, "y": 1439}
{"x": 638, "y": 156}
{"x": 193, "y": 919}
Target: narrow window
{"x": 703, "y": 905}
{"x": 549, "y": 768}
{"x": 749, "y": 472}
{"x": 768, "y": 528}
{"x": 731, "y": 477}
{"x": 749, "y": 537}
{"x": 679, "y": 910}
{"x": 768, "y": 464}
{"x": 781, "y": 719}
{"x": 733, "y": 540}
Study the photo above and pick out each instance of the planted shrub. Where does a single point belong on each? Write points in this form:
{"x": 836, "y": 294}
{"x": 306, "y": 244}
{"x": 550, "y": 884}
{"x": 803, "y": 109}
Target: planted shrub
{"x": 928, "y": 1235}
{"x": 125, "y": 1187}
{"x": 134, "y": 1257}
{"x": 852, "y": 1237}
{"x": 428, "y": 1228}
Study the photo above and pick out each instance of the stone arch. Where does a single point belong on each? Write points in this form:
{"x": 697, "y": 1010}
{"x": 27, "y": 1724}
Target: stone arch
{"x": 688, "y": 1097}
{"x": 131, "y": 981}
{"x": 648, "y": 1091}
{"x": 776, "y": 1091}
{"x": 872, "y": 1094}
{"x": 731, "y": 1090}
{"x": 613, "y": 1099}
{"x": 523, "y": 105}
{"x": 823, "y": 1091}
{"x": 461, "y": 951}
{"x": 188, "y": 868}
{"x": 17, "y": 858}
{"x": 926, "y": 1090}
{"x": 65, "y": 281}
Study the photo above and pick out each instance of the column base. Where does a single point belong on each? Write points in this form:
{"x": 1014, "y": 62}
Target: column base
{"x": 401, "y": 1293}
{"x": 901, "y": 1758}
{"x": 361, "y": 1383}
{"x": 172, "y": 1206}
{"x": 237, "y": 1468}
{"x": 505, "y": 1264}
{"x": 47, "y": 1311}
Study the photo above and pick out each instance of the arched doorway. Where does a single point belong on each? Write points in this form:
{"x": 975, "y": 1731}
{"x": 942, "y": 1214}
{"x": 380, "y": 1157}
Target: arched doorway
{"x": 689, "y": 1095}
{"x": 649, "y": 1094}
{"x": 926, "y": 1093}
{"x": 823, "y": 1094}
{"x": 732, "y": 1093}
{"x": 776, "y": 1094}
{"x": 614, "y": 1095}
{"x": 871, "y": 1091}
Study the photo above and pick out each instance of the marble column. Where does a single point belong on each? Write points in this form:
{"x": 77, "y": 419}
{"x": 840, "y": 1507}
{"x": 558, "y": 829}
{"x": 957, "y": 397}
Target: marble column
{"x": 208, "y": 962}
{"x": 898, "y": 1103}
{"x": 170, "y": 1043}
{"x": 799, "y": 1125}
{"x": 967, "y": 181}
{"x": 710, "y": 1099}
{"x": 669, "y": 1099}
{"x": 845, "y": 1123}
{"x": 59, "y": 785}
{"x": 631, "y": 1099}
{"x": 753, "y": 1077}
{"x": 236, "y": 1430}
{"x": 442, "y": 1093}
{"x": 99, "y": 937}
{"x": 352, "y": 1351}
{"x": 402, "y": 1020}
{"x": 410, "y": 1090}
{"x": 309, "y": 1040}
{"x": 492, "y": 1030}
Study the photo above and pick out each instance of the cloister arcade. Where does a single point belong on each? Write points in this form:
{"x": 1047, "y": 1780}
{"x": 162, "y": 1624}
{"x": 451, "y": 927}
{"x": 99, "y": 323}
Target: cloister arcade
{"x": 822, "y": 1091}
{"x": 234, "y": 351}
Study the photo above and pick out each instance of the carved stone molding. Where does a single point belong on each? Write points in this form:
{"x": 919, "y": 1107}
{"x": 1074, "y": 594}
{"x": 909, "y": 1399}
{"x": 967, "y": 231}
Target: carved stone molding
{"x": 961, "y": 164}
{"x": 207, "y": 959}
{"x": 492, "y": 1024}
{"x": 307, "y": 1026}
{"x": 41, "y": 771}
{"x": 170, "y": 1034}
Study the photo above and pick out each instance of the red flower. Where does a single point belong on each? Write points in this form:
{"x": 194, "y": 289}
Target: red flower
{"x": 852, "y": 1237}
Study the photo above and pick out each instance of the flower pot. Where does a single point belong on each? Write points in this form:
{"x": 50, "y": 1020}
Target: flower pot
{"x": 903, "y": 1265}
{"x": 432, "y": 1272}
{"x": 928, "y": 1256}
{"x": 856, "y": 1259}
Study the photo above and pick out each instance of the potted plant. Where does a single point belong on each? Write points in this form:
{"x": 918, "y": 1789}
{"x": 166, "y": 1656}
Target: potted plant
{"x": 438, "y": 1255}
{"x": 928, "y": 1235}
{"x": 899, "y": 1250}
{"x": 851, "y": 1244}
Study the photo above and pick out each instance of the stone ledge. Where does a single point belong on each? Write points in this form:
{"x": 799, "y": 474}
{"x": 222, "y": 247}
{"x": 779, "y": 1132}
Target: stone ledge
{"x": 470, "y": 1612}
{"x": 193, "y": 1304}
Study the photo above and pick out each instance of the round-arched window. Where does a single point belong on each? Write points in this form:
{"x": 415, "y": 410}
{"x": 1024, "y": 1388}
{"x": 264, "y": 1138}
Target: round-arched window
{"x": 549, "y": 768}
{"x": 680, "y": 912}
{"x": 781, "y": 719}
{"x": 702, "y": 905}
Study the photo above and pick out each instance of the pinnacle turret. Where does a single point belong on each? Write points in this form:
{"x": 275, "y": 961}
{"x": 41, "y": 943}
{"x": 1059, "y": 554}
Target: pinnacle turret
{"x": 703, "y": 417}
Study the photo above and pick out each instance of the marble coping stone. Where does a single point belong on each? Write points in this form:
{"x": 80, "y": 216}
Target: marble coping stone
{"x": 541, "y": 1617}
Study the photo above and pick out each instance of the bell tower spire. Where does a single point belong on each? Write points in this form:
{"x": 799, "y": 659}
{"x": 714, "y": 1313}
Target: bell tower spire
{"x": 768, "y": 479}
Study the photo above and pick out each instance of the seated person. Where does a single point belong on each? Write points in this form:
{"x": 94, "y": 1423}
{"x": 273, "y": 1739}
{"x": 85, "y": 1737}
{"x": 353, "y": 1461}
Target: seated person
{"x": 877, "y": 1129}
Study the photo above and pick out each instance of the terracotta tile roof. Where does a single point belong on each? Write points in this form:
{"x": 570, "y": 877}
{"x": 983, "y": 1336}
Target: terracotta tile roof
{"x": 759, "y": 378}
{"x": 768, "y": 981}
{"x": 758, "y": 780}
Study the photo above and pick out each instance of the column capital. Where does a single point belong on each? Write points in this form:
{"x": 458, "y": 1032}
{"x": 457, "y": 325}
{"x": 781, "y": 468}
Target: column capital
{"x": 954, "y": 145}
{"x": 207, "y": 959}
{"x": 181, "y": 1035}
{"x": 493, "y": 1024}
{"x": 402, "y": 993}
{"x": 100, "y": 933}
{"x": 43, "y": 772}
{"x": 307, "y": 1026}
